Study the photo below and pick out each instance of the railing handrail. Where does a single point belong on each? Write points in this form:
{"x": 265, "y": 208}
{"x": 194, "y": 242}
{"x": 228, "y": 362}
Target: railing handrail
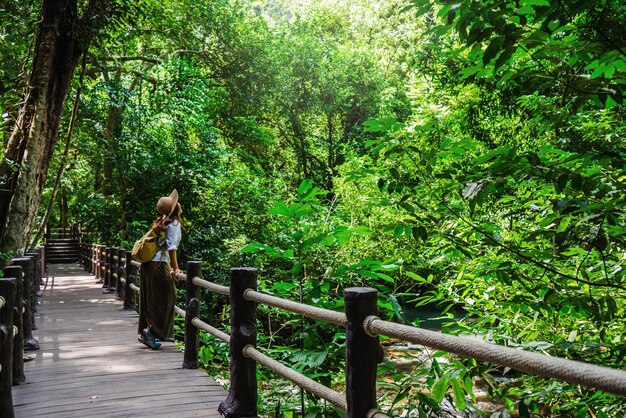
{"x": 570, "y": 371}
{"x": 574, "y": 372}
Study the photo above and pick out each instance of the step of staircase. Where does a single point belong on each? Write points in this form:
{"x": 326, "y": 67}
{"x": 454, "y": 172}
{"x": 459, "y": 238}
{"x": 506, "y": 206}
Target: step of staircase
{"x": 62, "y": 250}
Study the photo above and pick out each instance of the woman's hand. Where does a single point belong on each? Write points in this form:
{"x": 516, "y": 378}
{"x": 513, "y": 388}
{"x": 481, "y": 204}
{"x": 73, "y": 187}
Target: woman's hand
{"x": 176, "y": 272}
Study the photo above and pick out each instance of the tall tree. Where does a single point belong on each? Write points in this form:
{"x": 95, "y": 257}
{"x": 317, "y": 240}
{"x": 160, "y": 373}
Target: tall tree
{"x": 63, "y": 36}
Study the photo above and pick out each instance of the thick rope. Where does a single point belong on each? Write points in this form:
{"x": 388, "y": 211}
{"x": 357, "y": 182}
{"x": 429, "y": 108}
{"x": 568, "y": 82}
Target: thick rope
{"x": 180, "y": 312}
{"x": 134, "y": 287}
{"x": 2, "y": 302}
{"x": 326, "y": 315}
{"x": 304, "y": 382}
{"x": 216, "y": 288}
{"x": 574, "y": 372}
{"x": 198, "y": 323}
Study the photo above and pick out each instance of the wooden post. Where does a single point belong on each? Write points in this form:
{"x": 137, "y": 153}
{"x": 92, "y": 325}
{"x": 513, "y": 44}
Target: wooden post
{"x": 30, "y": 343}
{"x": 7, "y": 291}
{"x": 131, "y": 274}
{"x": 18, "y": 338}
{"x": 42, "y": 268}
{"x": 242, "y": 396}
{"x": 111, "y": 268}
{"x": 94, "y": 260}
{"x": 363, "y": 352}
{"x": 107, "y": 268}
{"x": 35, "y": 278}
{"x": 121, "y": 269}
{"x": 190, "y": 361}
{"x": 101, "y": 265}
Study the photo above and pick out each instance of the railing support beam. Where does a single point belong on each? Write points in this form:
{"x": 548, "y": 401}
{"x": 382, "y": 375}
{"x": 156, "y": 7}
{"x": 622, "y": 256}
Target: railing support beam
{"x": 190, "y": 361}
{"x": 242, "y": 396}
{"x": 8, "y": 292}
{"x": 363, "y": 352}
{"x": 18, "y": 337}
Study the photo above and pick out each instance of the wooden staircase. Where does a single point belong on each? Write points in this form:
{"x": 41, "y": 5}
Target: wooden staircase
{"x": 62, "y": 250}
{"x": 62, "y": 245}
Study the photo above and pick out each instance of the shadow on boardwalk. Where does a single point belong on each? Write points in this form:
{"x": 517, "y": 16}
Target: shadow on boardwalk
{"x": 91, "y": 365}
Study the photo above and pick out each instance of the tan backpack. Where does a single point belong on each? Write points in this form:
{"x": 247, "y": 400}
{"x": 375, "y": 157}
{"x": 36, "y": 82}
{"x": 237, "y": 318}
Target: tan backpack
{"x": 146, "y": 247}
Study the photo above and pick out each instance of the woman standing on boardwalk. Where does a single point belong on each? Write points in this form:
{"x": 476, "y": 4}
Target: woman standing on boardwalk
{"x": 158, "y": 293}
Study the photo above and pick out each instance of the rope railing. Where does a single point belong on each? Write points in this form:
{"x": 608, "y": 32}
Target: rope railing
{"x": 215, "y": 288}
{"x": 326, "y": 315}
{"x": 301, "y": 380}
{"x": 198, "y": 323}
{"x": 570, "y": 371}
{"x": 363, "y": 350}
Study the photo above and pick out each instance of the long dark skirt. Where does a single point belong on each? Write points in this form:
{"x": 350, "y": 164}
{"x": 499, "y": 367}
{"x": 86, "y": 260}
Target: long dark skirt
{"x": 156, "y": 300}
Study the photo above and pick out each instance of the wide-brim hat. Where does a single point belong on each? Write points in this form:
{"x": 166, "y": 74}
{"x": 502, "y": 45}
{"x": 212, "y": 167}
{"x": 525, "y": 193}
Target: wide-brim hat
{"x": 167, "y": 204}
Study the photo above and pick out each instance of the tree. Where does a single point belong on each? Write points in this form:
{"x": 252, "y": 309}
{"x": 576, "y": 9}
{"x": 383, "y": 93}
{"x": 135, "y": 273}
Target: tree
{"x": 63, "y": 36}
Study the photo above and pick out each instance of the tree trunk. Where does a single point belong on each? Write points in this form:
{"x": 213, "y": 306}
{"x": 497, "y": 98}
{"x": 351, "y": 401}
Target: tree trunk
{"x": 111, "y": 134}
{"x": 63, "y": 209}
{"x": 59, "y": 45}
{"x": 68, "y": 141}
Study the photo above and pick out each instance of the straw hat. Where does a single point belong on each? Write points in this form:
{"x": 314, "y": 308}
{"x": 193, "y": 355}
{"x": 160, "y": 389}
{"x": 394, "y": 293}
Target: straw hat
{"x": 167, "y": 204}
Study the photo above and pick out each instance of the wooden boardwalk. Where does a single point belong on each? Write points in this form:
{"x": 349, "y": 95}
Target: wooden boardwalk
{"x": 91, "y": 365}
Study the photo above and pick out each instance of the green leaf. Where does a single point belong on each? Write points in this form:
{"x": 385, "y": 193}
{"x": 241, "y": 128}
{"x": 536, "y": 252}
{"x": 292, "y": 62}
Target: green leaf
{"x": 536, "y": 2}
{"x": 297, "y": 268}
{"x": 385, "y": 277}
{"x": 279, "y": 208}
{"x": 526, "y": 10}
{"x": 361, "y": 230}
{"x": 416, "y": 277}
{"x": 563, "y": 224}
{"x": 493, "y": 49}
{"x": 367, "y": 273}
{"x": 440, "y": 387}
{"x": 305, "y": 186}
{"x": 459, "y": 394}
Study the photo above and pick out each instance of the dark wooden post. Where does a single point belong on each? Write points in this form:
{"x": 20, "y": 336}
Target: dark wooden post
{"x": 42, "y": 268}
{"x": 44, "y": 262}
{"x": 101, "y": 264}
{"x": 131, "y": 274}
{"x": 121, "y": 269}
{"x": 7, "y": 291}
{"x": 190, "y": 361}
{"x": 30, "y": 343}
{"x": 94, "y": 260}
{"x": 242, "y": 396}
{"x": 363, "y": 352}
{"x": 16, "y": 272}
{"x": 35, "y": 279}
{"x": 107, "y": 268}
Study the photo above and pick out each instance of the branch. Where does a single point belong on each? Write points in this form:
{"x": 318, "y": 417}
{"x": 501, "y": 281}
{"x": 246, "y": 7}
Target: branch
{"x": 130, "y": 58}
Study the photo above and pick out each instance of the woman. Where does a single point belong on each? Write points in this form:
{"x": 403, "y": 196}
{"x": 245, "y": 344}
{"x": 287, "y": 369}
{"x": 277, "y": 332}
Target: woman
{"x": 158, "y": 293}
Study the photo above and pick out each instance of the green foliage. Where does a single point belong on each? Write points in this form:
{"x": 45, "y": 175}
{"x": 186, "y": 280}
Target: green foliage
{"x": 466, "y": 159}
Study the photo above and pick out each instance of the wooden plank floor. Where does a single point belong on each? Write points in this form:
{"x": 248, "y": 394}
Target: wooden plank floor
{"x": 90, "y": 363}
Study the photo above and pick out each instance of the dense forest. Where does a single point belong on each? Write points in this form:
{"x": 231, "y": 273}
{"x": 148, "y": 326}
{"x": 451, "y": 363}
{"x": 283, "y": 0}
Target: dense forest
{"x": 465, "y": 158}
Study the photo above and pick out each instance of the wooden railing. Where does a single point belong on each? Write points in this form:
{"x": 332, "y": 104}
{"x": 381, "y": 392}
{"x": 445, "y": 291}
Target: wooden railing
{"x": 116, "y": 270}
{"x": 18, "y": 305}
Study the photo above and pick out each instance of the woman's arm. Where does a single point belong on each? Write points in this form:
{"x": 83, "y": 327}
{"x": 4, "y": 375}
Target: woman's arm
{"x": 174, "y": 263}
